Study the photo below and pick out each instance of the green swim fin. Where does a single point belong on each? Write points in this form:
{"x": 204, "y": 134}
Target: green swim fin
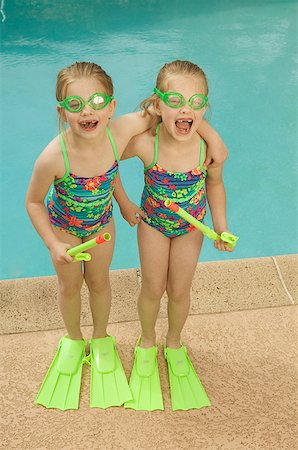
{"x": 61, "y": 387}
{"x": 144, "y": 381}
{"x": 108, "y": 383}
{"x": 187, "y": 391}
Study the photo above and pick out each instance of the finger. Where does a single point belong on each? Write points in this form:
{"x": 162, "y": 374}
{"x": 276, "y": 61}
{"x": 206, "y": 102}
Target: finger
{"x": 206, "y": 163}
{"x": 220, "y": 246}
{"x": 137, "y": 219}
{"x": 142, "y": 213}
{"x": 227, "y": 247}
{"x": 63, "y": 261}
{"x": 223, "y": 246}
{"x": 68, "y": 259}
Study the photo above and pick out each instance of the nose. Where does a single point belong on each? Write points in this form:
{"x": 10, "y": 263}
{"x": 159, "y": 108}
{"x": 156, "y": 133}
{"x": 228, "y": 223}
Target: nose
{"x": 185, "y": 108}
{"x": 86, "y": 109}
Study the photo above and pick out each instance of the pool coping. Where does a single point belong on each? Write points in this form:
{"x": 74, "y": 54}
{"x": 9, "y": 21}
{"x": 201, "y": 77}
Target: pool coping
{"x": 29, "y": 304}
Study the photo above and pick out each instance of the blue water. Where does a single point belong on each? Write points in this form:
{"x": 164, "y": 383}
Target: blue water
{"x": 248, "y": 51}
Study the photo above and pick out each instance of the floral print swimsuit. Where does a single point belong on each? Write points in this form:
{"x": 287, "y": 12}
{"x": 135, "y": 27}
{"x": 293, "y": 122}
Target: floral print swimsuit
{"x": 79, "y": 205}
{"x": 186, "y": 188}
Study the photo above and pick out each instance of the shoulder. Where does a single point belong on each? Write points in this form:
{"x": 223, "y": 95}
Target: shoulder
{"x": 142, "y": 146}
{"x": 129, "y": 125}
{"x": 145, "y": 138}
{"x": 121, "y": 126}
{"x": 142, "y": 142}
{"x": 51, "y": 157}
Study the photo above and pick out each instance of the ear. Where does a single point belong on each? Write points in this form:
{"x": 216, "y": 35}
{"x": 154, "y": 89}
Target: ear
{"x": 112, "y": 107}
{"x": 61, "y": 113}
{"x": 205, "y": 109}
{"x": 155, "y": 105}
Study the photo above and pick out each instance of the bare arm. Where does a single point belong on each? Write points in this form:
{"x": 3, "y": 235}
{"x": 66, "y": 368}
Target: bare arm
{"x": 41, "y": 180}
{"x": 216, "y": 196}
{"x": 217, "y": 151}
{"x": 129, "y": 210}
{"x": 130, "y": 125}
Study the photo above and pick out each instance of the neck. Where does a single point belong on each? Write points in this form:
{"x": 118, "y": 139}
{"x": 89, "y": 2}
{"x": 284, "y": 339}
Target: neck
{"x": 79, "y": 142}
{"x": 166, "y": 138}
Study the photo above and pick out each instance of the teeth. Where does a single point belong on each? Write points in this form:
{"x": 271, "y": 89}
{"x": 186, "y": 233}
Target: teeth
{"x": 89, "y": 123}
{"x": 182, "y": 120}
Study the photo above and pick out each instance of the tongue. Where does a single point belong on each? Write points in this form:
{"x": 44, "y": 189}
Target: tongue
{"x": 183, "y": 126}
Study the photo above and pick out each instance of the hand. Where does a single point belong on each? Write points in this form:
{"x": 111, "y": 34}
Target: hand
{"x": 58, "y": 253}
{"x": 132, "y": 213}
{"x": 223, "y": 246}
{"x": 215, "y": 156}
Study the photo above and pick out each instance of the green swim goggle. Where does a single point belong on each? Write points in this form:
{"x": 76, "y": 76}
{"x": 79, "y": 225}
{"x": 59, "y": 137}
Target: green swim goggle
{"x": 176, "y": 100}
{"x": 74, "y": 103}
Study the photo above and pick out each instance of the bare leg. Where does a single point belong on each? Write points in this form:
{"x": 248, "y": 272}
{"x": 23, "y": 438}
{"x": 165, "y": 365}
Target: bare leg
{"x": 70, "y": 280}
{"x": 154, "y": 256}
{"x": 98, "y": 282}
{"x": 184, "y": 254}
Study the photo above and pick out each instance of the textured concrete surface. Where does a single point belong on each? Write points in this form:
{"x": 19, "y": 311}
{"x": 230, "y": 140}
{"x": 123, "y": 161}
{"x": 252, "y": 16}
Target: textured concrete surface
{"x": 246, "y": 360}
{"x": 242, "y": 339}
{"x": 288, "y": 266}
{"x": 31, "y": 305}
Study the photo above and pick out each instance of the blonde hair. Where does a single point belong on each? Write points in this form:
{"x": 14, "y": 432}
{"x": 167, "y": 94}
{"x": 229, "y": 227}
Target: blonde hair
{"x": 77, "y": 71}
{"x": 168, "y": 71}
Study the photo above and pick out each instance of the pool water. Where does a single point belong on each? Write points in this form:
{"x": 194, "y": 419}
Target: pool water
{"x": 248, "y": 51}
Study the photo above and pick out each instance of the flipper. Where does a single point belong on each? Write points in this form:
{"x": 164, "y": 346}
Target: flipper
{"x": 61, "y": 387}
{"x": 108, "y": 383}
{"x": 187, "y": 391}
{"x": 144, "y": 381}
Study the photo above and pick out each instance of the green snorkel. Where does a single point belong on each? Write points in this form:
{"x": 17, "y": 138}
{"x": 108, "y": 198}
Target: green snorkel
{"x": 229, "y": 238}
{"x": 76, "y": 252}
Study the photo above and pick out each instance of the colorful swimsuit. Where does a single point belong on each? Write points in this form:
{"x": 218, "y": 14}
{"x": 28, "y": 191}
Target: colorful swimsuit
{"x": 79, "y": 205}
{"x": 186, "y": 188}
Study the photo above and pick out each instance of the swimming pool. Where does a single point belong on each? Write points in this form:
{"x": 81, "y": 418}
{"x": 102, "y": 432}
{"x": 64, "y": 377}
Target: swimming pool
{"x": 248, "y": 53}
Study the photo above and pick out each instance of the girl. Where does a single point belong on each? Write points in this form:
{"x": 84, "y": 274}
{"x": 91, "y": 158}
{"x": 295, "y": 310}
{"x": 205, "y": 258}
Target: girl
{"x": 168, "y": 246}
{"x": 81, "y": 164}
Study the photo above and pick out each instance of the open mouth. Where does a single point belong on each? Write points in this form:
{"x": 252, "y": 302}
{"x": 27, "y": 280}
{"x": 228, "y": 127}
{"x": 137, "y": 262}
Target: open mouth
{"x": 183, "y": 126}
{"x": 89, "y": 125}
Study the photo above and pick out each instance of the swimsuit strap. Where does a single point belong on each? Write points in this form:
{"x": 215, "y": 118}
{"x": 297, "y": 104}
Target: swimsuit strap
{"x": 155, "y": 149}
{"x": 113, "y": 144}
{"x": 202, "y": 154}
{"x": 65, "y": 157}
{"x": 64, "y": 152}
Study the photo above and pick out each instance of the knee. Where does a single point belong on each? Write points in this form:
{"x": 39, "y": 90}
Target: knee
{"x": 97, "y": 284}
{"x": 177, "y": 292}
{"x": 70, "y": 288}
{"x": 153, "y": 290}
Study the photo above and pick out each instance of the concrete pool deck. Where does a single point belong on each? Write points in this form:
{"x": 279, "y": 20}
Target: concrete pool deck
{"x": 242, "y": 339}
